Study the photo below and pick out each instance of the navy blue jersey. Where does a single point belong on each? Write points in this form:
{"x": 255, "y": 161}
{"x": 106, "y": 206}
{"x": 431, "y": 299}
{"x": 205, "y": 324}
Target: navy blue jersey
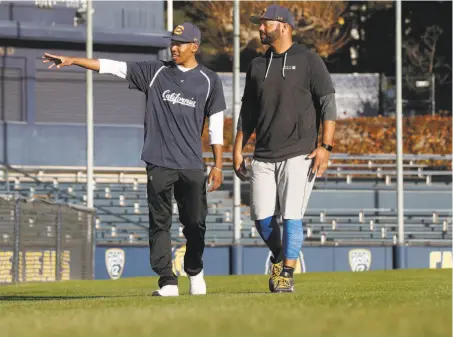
{"x": 177, "y": 103}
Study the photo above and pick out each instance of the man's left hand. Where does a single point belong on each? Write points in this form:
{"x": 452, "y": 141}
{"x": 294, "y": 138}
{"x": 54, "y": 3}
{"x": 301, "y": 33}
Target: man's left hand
{"x": 215, "y": 178}
{"x": 321, "y": 156}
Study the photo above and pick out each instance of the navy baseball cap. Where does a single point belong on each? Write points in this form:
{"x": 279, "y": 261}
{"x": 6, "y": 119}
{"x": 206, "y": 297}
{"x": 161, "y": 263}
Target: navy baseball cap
{"x": 186, "y": 32}
{"x": 274, "y": 13}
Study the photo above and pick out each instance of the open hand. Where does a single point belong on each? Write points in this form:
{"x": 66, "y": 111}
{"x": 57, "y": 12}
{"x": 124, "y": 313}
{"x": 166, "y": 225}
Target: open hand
{"x": 59, "y": 61}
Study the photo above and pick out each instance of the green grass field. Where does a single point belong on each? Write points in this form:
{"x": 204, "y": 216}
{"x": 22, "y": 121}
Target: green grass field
{"x": 395, "y": 303}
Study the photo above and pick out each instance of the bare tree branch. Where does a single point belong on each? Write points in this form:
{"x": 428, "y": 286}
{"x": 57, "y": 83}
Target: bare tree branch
{"x": 319, "y": 24}
{"x": 421, "y": 60}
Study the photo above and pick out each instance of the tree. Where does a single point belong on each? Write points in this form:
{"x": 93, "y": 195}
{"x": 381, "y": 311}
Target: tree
{"x": 421, "y": 59}
{"x": 320, "y": 24}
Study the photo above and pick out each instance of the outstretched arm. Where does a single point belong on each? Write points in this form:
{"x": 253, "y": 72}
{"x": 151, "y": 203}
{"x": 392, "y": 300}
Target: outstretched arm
{"x": 64, "y": 61}
{"x": 103, "y": 66}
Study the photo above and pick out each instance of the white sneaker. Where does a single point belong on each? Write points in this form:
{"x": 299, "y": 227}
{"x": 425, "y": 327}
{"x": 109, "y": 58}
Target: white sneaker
{"x": 166, "y": 291}
{"x": 197, "y": 284}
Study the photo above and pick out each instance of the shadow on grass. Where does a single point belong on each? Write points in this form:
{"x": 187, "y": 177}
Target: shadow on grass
{"x": 26, "y": 298}
{"x": 50, "y": 298}
{"x": 243, "y": 293}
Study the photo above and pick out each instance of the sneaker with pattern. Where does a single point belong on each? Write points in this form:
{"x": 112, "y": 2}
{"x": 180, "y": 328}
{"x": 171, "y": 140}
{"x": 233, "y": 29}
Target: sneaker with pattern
{"x": 284, "y": 284}
{"x": 276, "y": 269}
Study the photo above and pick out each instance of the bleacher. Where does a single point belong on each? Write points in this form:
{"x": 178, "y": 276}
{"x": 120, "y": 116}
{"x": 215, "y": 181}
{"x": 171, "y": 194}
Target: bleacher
{"x": 122, "y": 215}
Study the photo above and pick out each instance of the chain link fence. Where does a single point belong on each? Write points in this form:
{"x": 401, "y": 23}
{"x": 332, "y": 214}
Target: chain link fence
{"x": 42, "y": 241}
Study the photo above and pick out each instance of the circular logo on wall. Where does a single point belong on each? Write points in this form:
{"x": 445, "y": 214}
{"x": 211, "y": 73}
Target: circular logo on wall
{"x": 115, "y": 259}
{"x": 360, "y": 259}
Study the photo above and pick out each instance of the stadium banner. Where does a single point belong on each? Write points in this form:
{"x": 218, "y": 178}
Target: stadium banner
{"x": 114, "y": 262}
{"x": 429, "y": 257}
{"x": 38, "y": 265}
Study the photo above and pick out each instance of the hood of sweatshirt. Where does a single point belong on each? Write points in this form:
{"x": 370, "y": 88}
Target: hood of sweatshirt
{"x": 295, "y": 49}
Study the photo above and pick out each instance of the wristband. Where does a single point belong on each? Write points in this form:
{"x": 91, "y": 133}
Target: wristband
{"x": 327, "y": 147}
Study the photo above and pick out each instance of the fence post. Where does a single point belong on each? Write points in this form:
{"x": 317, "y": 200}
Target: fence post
{"x": 93, "y": 244}
{"x": 433, "y": 94}
{"x": 382, "y": 85}
{"x": 16, "y": 248}
{"x": 58, "y": 246}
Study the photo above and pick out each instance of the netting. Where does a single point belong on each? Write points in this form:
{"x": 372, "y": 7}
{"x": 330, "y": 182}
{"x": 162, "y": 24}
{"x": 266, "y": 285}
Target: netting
{"x": 41, "y": 241}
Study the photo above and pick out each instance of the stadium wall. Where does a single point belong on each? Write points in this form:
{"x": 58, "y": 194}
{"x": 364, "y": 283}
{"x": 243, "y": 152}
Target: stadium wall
{"x": 113, "y": 262}
{"x": 43, "y": 112}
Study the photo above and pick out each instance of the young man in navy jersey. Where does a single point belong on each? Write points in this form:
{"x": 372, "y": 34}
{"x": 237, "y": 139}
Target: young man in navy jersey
{"x": 179, "y": 95}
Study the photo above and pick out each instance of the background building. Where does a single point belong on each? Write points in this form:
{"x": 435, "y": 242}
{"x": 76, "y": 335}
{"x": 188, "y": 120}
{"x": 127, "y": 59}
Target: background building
{"x": 44, "y": 110}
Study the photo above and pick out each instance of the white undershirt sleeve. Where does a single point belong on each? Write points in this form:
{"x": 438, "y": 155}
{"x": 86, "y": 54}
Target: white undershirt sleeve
{"x": 112, "y": 67}
{"x": 216, "y": 128}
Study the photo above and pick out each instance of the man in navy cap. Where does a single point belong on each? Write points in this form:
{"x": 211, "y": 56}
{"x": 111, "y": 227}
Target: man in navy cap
{"x": 288, "y": 92}
{"x": 180, "y": 94}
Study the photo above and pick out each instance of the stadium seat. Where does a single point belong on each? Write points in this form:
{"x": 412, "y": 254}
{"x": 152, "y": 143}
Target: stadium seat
{"x": 123, "y": 213}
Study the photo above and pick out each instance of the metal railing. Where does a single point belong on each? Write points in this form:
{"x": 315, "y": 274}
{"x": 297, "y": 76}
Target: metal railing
{"x": 375, "y": 166}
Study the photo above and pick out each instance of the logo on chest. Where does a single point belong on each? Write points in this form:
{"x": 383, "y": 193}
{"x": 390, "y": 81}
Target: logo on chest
{"x": 289, "y": 67}
{"x": 176, "y": 98}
